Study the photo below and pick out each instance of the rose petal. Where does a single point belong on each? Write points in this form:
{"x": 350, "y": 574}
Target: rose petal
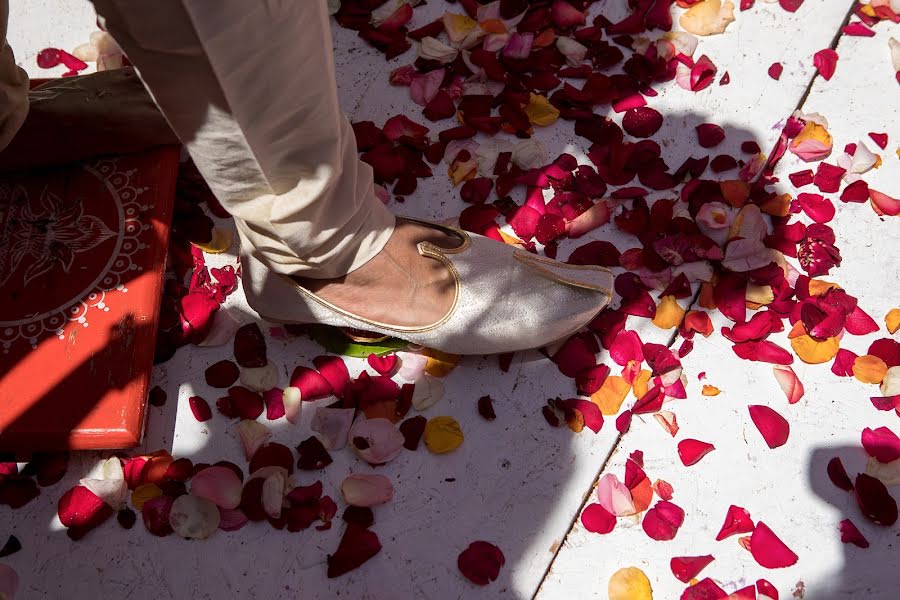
{"x": 312, "y": 385}
{"x": 838, "y": 475}
{"x": 260, "y": 379}
{"x": 193, "y": 517}
{"x": 662, "y": 521}
{"x": 376, "y": 441}
{"x": 874, "y": 500}
{"x": 367, "y": 490}
{"x": 155, "y": 513}
{"x": 825, "y": 61}
{"x": 775, "y": 70}
{"x": 818, "y": 208}
{"x": 614, "y": 496}
{"x": 219, "y": 485}
{"x": 881, "y": 444}
{"x": 481, "y": 562}
{"x": 851, "y": 535}
{"x": 685, "y": 568}
{"x": 200, "y": 408}
{"x": 597, "y": 519}
{"x": 642, "y": 122}
{"x": 357, "y": 545}
{"x": 629, "y": 583}
{"x": 736, "y": 521}
{"x": 709, "y": 135}
{"x": 769, "y": 551}
{"x": 250, "y": 346}
{"x": 222, "y": 374}
{"x": 252, "y": 435}
{"x": 771, "y": 425}
{"x": 789, "y": 382}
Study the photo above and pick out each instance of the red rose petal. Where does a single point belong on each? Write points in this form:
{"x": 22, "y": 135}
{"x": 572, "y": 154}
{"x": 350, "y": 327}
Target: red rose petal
{"x": 860, "y": 323}
{"x": 623, "y": 421}
{"x": 879, "y": 138}
{"x": 48, "y": 467}
{"x": 480, "y": 563}
{"x": 685, "y": 568}
{"x": 250, "y": 347}
{"x": 79, "y": 507}
{"x": 650, "y": 402}
{"x": 773, "y": 427}
{"x": 736, "y": 521}
{"x": 763, "y": 351}
{"x": 817, "y": 208}
{"x": 312, "y": 455}
{"x": 334, "y": 370}
{"x": 875, "y": 501}
{"x": 851, "y": 535}
{"x": 590, "y": 380}
{"x": 858, "y": 29}
{"x": 246, "y": 404}
{"x": 790, "y": 5}
{"x": 662, "y": 521}
{"x": 157, "y": 396}
{"x": 593, "y": 418}
{"x": 843, "y": 363}
{"x": 801, "y": 178}
{"x": 881, "y": 444}
{"x": 412, "y": 430}
{"x": 312, "y": 385}
{"x": 383, "y": 365}
{"x": 642, "y": 122}
{"x": 702, "y": 73}
{"x": 357, "y": 545}
{"x": 838, "y": 475}
{"x": 200, "y": 408}
{"x": 710, "y": 135}
{"x": 828, "y": 177}
{"x": 887, "y": 350}
{"x": 48, "y": 58}
{"x": 274, "y": 400}
{"x": 706, "y": 589}
{"x": 485, "y": 408}
{"x": 576, "y": 354}
{"x": 858, "y": 192}
{"x": 222, "y": 374}
{"x": 826, "y": 61}
{"x": 156, "y": 515}
{"x": 769, "y": 551}
{"x": 272, "y": 454}
{"x": 775, "y": 70}
{"x": 766, "y": 589}
{"x": 691, "y": 451}
{"x": 597, "y": 519}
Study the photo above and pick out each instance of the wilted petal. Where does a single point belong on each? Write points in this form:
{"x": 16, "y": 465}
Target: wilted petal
{"x": 193, "y": 517}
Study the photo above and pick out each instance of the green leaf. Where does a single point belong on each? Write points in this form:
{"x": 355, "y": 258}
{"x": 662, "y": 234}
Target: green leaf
{"x": 336, "y": 342}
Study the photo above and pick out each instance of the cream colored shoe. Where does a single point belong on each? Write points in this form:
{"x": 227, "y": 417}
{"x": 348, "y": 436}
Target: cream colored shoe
{"x": 506, "y": 299}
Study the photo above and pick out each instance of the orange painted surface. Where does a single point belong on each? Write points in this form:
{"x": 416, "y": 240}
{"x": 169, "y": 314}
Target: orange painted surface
{"x": 82, "y": 256}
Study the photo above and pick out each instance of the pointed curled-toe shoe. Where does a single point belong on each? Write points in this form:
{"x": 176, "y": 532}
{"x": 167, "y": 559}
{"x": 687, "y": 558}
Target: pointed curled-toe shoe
{"x": 505, "y": 298}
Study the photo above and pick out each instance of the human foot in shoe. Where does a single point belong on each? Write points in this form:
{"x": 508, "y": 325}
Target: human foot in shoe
{"x": 397, "y": 286}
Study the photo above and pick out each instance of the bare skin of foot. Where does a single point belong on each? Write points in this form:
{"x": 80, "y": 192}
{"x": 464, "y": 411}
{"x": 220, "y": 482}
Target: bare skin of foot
{"x": 398, "y": 286}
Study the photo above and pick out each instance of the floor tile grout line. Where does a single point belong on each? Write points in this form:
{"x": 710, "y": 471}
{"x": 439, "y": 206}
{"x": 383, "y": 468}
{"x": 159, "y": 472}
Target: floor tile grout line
{"x": 800, "y": 103}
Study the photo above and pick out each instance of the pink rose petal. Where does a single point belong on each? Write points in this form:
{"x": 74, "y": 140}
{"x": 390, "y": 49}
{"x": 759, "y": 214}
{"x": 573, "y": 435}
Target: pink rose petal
{"x": 218, "y": 484}
{"x": 359, "y": 489}
{"x": 789, "y": 382}
{"x": 882, "y": 444}
{"x": 376, "y": 441}
{"x": 614, "y": 496}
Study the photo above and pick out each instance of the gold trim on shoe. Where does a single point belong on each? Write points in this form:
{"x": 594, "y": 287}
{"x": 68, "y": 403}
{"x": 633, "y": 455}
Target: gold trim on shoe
{"x": 530, "y": 260}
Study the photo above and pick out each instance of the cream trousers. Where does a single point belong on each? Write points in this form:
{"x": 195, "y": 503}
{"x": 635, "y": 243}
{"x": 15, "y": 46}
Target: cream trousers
{"x": 249, "y": 88}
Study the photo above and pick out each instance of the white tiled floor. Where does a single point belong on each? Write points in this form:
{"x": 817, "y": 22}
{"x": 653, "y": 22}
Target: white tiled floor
{"x": 515, "y": 481}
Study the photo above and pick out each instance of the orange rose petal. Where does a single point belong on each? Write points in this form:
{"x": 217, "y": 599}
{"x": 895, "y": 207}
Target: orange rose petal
{"x": 642, "y": 495}
{"x": 814, "y": 352}
{"x": 777, "y": 206}
{"x": 706, "y": 296}
{"x": 817, "y": 287}
{"x": 736, "y": 192}
{"x": 797, "y": 330}
{"x": 439, "y": 364}
{"x": 611, "y": 395}
{"x": 711, "y": 390}
{"x": 640, "y": 386}
{"x": 668, "y": 313}
{"x": 892, "y": 320}
{"x": 869, "y": 369}
{"x": 546, "y": 38}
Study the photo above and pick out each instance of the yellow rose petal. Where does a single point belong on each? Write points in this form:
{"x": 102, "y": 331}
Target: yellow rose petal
{"x": 220, "y": 242}
{"x": 540, "y": 112}
{"x": 892, "y": 320}
{"x": 711, "y": 390}
{"x": 629, "y": 583}
{"x": 143, "y": 493}
{"x": 442, "y": 434}
{"x": 639, "y": 388}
